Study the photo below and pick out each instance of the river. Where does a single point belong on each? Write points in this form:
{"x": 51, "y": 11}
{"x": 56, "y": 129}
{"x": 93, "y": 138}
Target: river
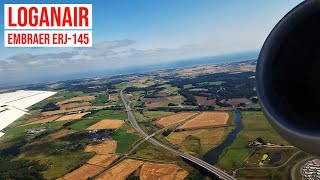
{"x": 212, "y": 156}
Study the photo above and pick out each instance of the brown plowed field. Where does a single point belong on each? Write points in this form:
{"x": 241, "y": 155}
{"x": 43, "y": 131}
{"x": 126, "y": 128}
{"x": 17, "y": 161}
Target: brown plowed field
{"x": 151, "y": 171}
{"x": 207, "y": 119}
{"x": 204, "y": 101}
{"x": 113, "y": 97}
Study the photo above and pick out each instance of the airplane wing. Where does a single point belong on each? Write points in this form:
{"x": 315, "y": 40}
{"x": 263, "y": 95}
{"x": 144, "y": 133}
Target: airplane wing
{"x": 13, "y": 105}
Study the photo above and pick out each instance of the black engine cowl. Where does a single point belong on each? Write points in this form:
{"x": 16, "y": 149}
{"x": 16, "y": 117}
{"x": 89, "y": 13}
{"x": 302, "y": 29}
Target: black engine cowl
{"x": 288, "y": 77}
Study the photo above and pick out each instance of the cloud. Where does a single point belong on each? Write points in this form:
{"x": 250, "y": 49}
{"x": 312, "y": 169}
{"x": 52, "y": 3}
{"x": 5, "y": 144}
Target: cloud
{"x": 45, "y": 56}
{"x": 106, "y": 48}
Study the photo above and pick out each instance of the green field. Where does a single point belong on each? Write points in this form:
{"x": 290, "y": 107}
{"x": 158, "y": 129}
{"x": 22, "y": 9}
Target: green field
{"x": 124, "y": 140}
{"x": 59, "y": 163}
{"x": 148, "y": 116}
{"x": 18, "y": 133}
{"x": 255, "y": 125}
{"x": 171, "y": 89}
{"x": 109, "y": 114}
{"x": 83, "y": 124}
{"x": 212, "y": 83}
{"x": 187, "y": 86}
{"x": 101, "y": 99}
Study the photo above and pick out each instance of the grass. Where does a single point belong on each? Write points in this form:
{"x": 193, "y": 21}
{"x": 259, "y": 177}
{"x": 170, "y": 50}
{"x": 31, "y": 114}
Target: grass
{"x": 109, "y": 114}
{"x": 18, "y": 133}
{"x": 101, "y": 99}
{"x": 124, "y": 140}
{"x": 148, "y": 151}
{"x": 83, "y": 124}
{"x": 148, "y": 116}
{"x": 200, "y": 141}
{"x": 171, "y": 89}
{"x": 255, "y": 125}
{"x": 217, "y": 83}
{"x": 121, "y": 85}
{"x": 60, "y": 163}
{"x": 187, "y": 86}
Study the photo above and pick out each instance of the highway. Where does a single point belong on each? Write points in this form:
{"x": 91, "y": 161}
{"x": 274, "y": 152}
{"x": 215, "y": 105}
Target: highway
{"x": 221, "y": 174}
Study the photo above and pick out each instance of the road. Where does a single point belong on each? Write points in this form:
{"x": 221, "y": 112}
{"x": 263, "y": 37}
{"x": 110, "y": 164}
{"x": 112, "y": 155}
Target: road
{"x": 294, "y": 169}
{"x": 131, "y": 118}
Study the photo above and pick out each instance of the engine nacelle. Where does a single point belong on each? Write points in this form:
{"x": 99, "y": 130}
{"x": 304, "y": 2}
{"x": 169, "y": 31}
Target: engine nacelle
{"x": 288, "y": 77}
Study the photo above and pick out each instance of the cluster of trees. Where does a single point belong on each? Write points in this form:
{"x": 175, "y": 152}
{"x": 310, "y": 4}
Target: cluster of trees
{"x": 50, "y": 107}
{"x": 190, "y": 99}
{"x": 90, "y": 87}
{"x": 149, "y": 92}
{"x": 20, "y": 169}
{"x": 237, "y": 85}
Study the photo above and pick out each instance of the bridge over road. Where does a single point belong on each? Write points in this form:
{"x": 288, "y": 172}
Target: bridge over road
{"x": 199, "y": 162}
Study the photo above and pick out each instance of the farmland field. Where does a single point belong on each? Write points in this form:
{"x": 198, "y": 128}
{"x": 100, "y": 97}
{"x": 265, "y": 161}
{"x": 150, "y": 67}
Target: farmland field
{"x": 121, "y": 170}
{"x": 206, "y": 138}
{"x": 72, "y": 116}
{"x": 205, "y": 101}
{"x": 103, "y": 160}
{"x": 76, "y": 99}
{"x": 106, "y": 147}
{"x": 124, "y": 140}
{"x": 150, "y": 115}
{"x": 84, "y": 172}
{"x": 44, "y": 120}
{"x": 255, "y": 125}
{"x": 107, "y": 124}
{"x": 207, "y": 119}
{"x": 151, "y": 171}
{"x": 175, "y": 118}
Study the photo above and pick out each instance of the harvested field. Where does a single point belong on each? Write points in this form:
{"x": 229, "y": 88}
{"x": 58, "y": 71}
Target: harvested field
{"x": 207, "y": 119}
{"x": 72, "y": 116}
{"x": 113, "y": 97}
{"x": 107, "y": 124}
{"x": 84, "y": 108}
{"x": 121, "y": 171}
{"x": 103, "y": 160}
{"x": 45, "y": 120}
{"x": 106, "y": 147}
{"x": 54, "y": 98}
{"x": 51, "y": 113}
{"x": 74, "y": 105}
{"x": 205, "y": 101}
{"x": 75, "y": 99}
{"x": 151, "y": 171}
{"x": 84, "y": 172}
{"x": 173, "y": 119}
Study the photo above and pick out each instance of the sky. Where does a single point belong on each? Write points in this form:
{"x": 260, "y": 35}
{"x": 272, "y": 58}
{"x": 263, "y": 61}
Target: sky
{"x": 128, "y": 33}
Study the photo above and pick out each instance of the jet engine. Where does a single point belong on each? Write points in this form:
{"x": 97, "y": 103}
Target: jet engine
{"x": 288, "y": 77}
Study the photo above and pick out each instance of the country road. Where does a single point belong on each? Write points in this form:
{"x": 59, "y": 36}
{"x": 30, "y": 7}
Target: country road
{"x": 131, "y": 118}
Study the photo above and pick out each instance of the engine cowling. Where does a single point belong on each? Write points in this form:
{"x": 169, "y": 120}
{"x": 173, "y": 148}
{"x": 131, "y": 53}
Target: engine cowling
{"x": 288, "y": 77}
